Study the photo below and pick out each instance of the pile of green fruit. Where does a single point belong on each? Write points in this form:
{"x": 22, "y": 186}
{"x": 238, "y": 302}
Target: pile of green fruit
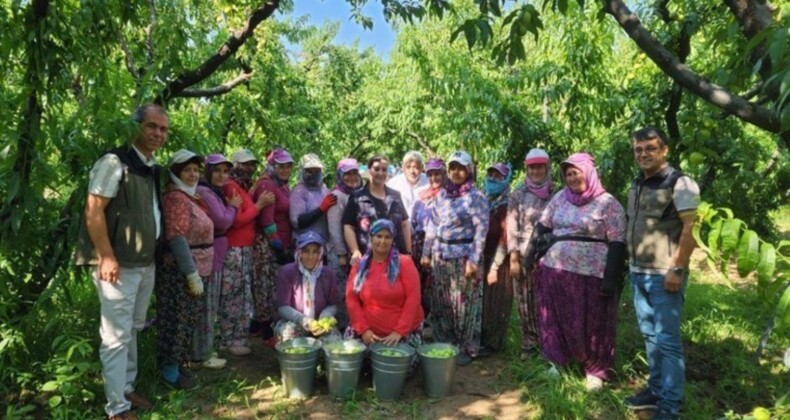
{"x": 392, "y": 353}
{"x": 440, "y": 353}
{"x": 297, "y": 350}
{"x": 341, "y": 348}
{"x": 323, "y": 325}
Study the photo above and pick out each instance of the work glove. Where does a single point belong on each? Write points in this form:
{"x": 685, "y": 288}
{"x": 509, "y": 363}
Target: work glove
{"x": 195, "y": 284}
{"x": 328, "y": 201}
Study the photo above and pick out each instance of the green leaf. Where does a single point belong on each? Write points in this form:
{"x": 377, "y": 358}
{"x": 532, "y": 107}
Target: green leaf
{"x": 471, "y": 33}
{"x": 562, "y": 6}
{"x": 696, "y": 233}
{"x": 748, "y": 253}
{"x": 783, "y": 244}
{"x": 783, "y": 310}
{"x": 730, "y": 233}
{"x": 55, "y": 401}
{"x": 766, "y": 266}
{"x": 50, "y": 386}
{"x": 714, "y": 235}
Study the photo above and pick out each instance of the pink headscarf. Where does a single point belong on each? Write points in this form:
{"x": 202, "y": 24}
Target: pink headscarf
{"x": 586, "y": 164}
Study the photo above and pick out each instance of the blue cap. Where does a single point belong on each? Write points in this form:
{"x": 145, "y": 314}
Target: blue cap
{"x": 308, "y": 238}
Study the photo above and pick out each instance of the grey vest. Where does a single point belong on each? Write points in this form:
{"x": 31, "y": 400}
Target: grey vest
{"x": 654, "y": 226}
{"x": 131, "y": 224}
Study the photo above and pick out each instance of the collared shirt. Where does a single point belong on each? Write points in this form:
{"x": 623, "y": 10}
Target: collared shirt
{"x": 105, "y": 179}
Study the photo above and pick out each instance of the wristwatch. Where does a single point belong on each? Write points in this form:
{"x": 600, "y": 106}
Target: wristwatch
{"x": 678, "y": 270}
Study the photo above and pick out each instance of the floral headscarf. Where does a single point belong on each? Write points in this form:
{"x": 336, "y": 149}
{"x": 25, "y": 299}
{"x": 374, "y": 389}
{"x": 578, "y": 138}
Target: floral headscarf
{"x": 393, "y": 259}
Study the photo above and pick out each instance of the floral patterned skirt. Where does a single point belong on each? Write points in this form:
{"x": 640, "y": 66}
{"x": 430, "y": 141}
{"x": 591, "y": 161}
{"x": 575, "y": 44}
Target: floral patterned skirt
{"x": 177, "y": 314}
{"x": 235, "y": 300}
{"x": 456, "y": 305}
{"x": 264, "y": 280}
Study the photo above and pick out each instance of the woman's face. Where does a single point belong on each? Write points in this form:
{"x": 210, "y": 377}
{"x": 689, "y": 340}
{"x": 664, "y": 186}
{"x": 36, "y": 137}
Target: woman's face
{"x": 220, "y": 175}
{"x": 574, "y": 179}
{"x": 352, "y": 178}
{"x": 382, "y": 243}
{"x": 190, "y": 174}
{"x": 495, "y": 175}
{"x": 458, "y": 173}
{"x": 310, "y": 255}
{"x": 378, "y": 172}
{"x": 536, "y": 172}
{"x": 435, "y": 178}
{"x": 283, "y": 170}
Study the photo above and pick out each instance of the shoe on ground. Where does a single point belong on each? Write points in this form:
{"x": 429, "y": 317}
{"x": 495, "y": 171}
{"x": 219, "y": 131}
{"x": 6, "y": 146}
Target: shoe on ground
{"x": 463, "y": 359}
{"x": 214, "y": 363}
{"x": 593, "y": 383}
{"x": 644, "y": 400}
{"x": 553, "y": 372}
{"x": 665, "y": 415}
{"x": 138, "y": 401}
{"x": 239, "y": 350}
{"x": 124, "y": 415}
{"x": 528, "y": 353}
{"x": 182, "y": 383}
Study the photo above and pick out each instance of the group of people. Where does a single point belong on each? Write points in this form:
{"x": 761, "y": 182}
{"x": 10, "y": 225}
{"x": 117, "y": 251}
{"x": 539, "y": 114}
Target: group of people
{"x": 383, "y": 259}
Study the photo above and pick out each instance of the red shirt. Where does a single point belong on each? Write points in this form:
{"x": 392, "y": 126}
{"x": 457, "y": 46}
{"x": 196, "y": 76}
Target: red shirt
{"x": 242, "y": 232}
{"x": 382, "y": 308}
{"x": 277, "y": 213}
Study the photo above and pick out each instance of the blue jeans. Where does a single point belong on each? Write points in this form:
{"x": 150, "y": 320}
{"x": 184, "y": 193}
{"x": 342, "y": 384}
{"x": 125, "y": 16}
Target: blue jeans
{"x": 658, "y": 313}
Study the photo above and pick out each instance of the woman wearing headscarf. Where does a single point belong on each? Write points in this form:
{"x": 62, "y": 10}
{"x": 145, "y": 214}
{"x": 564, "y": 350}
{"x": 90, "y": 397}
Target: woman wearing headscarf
{"x": 310, "y": 199}
{"x": 235, "y": 299}
{"x": 183, "y": 268}
{"x": 526, "y": 204}
{"x": 347, "y": 182}
{"x": 383, "y": 296}
{"x": 306, "y": 291}
{"x": 272, "y": 247}
{"x": 454, "y": 239}
{"x": 436, "y": 173}
{"x": 498, "y": 287}
{"x": 575, "y": 279}
{"x": 222, "y": 212}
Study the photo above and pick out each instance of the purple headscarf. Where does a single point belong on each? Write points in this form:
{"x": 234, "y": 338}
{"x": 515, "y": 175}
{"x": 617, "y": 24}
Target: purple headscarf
{"x": 346, "y": 165}
{"x": 585, "y": 163}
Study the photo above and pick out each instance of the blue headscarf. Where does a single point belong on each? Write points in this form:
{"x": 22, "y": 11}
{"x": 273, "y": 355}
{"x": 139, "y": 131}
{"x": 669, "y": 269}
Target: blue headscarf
{"x": 393, "y": 259}
{"x": 498, "y": 191}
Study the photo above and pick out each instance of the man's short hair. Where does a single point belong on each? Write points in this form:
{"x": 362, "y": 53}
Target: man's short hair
{"x": 649, "y": 133}
{"x": 413, "y": 156}
{"x": 376, "y": 159}
{"x": 143, "y": 110}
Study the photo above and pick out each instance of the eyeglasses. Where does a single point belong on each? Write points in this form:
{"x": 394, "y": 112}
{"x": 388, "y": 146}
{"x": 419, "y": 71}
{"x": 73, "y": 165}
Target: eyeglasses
{"x": 649, "y": 150}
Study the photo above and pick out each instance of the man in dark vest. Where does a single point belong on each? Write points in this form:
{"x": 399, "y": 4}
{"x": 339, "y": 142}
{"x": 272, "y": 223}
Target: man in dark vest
{"x": 122, "y": 226}
{"x": 661, "y": 210}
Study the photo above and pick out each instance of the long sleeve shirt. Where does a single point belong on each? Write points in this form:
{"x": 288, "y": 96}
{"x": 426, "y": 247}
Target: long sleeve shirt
{"x": 290, "y": 293}
{"x": 334, "y": 220}
{"x": 523, "y": 211}
{"x": 304, "y": 200}
{"x": 457, "y": 227}
{"x": 277, "y": 213}
{"x": 408, "y": 192}
{"x": 384, "y": 308}
{"x": 242, "y": 232}
{"x": 222, "y": 215}
{"x": 183, "y": 217}
{"x": 602, "y": 218}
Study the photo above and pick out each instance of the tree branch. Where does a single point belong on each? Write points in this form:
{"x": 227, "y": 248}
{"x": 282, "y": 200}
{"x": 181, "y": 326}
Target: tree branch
{"x": 754, "y": 16}
{"x": 149, "y": 32}
{"x": 216, "y": 90}
{"x": 128, "y": 58}
{"x": 193, "y": 77}
{"x": 668, "y": 63}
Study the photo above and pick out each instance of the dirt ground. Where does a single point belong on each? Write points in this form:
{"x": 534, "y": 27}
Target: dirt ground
{"x": 483, "y": 389}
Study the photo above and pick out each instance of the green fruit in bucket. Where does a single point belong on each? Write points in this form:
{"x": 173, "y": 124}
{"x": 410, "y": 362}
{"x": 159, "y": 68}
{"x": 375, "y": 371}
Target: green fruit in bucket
{"x": 297, "y": 350}
{"x": 440, "y": 353}
{"x": 392, "y": 353}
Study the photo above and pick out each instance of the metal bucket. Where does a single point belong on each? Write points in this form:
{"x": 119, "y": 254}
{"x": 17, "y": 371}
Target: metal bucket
{"x": 298, "y": 369}
{"x": 438, "y": 372}
{"x": 390, "y": 371}
{"x": 343, "y": 362}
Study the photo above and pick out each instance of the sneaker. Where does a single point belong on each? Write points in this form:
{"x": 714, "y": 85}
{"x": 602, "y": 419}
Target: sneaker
{"x": 528, "y": 353}
{"x": 593, "y": 383}
{"x": 182, "y": 383}
{"x": 644, "y": 400}
{"x": 138, "y": 401}
{"x": 239, "y": 350}
{"x": 124, "y": 415}
{"x": 463, "y": 359}
{"x": 214, "y": 363}
{"x": 553, "y": 372}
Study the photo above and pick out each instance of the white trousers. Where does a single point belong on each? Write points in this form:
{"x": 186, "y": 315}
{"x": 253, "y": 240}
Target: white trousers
{"x": 123, "y": 308}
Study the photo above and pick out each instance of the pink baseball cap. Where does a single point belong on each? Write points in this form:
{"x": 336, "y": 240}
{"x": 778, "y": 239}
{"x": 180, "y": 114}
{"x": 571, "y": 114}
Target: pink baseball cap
{"x": 536, "y": 157}
{"x": 279, "y": 155}
{"x": 347, "y": 164}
